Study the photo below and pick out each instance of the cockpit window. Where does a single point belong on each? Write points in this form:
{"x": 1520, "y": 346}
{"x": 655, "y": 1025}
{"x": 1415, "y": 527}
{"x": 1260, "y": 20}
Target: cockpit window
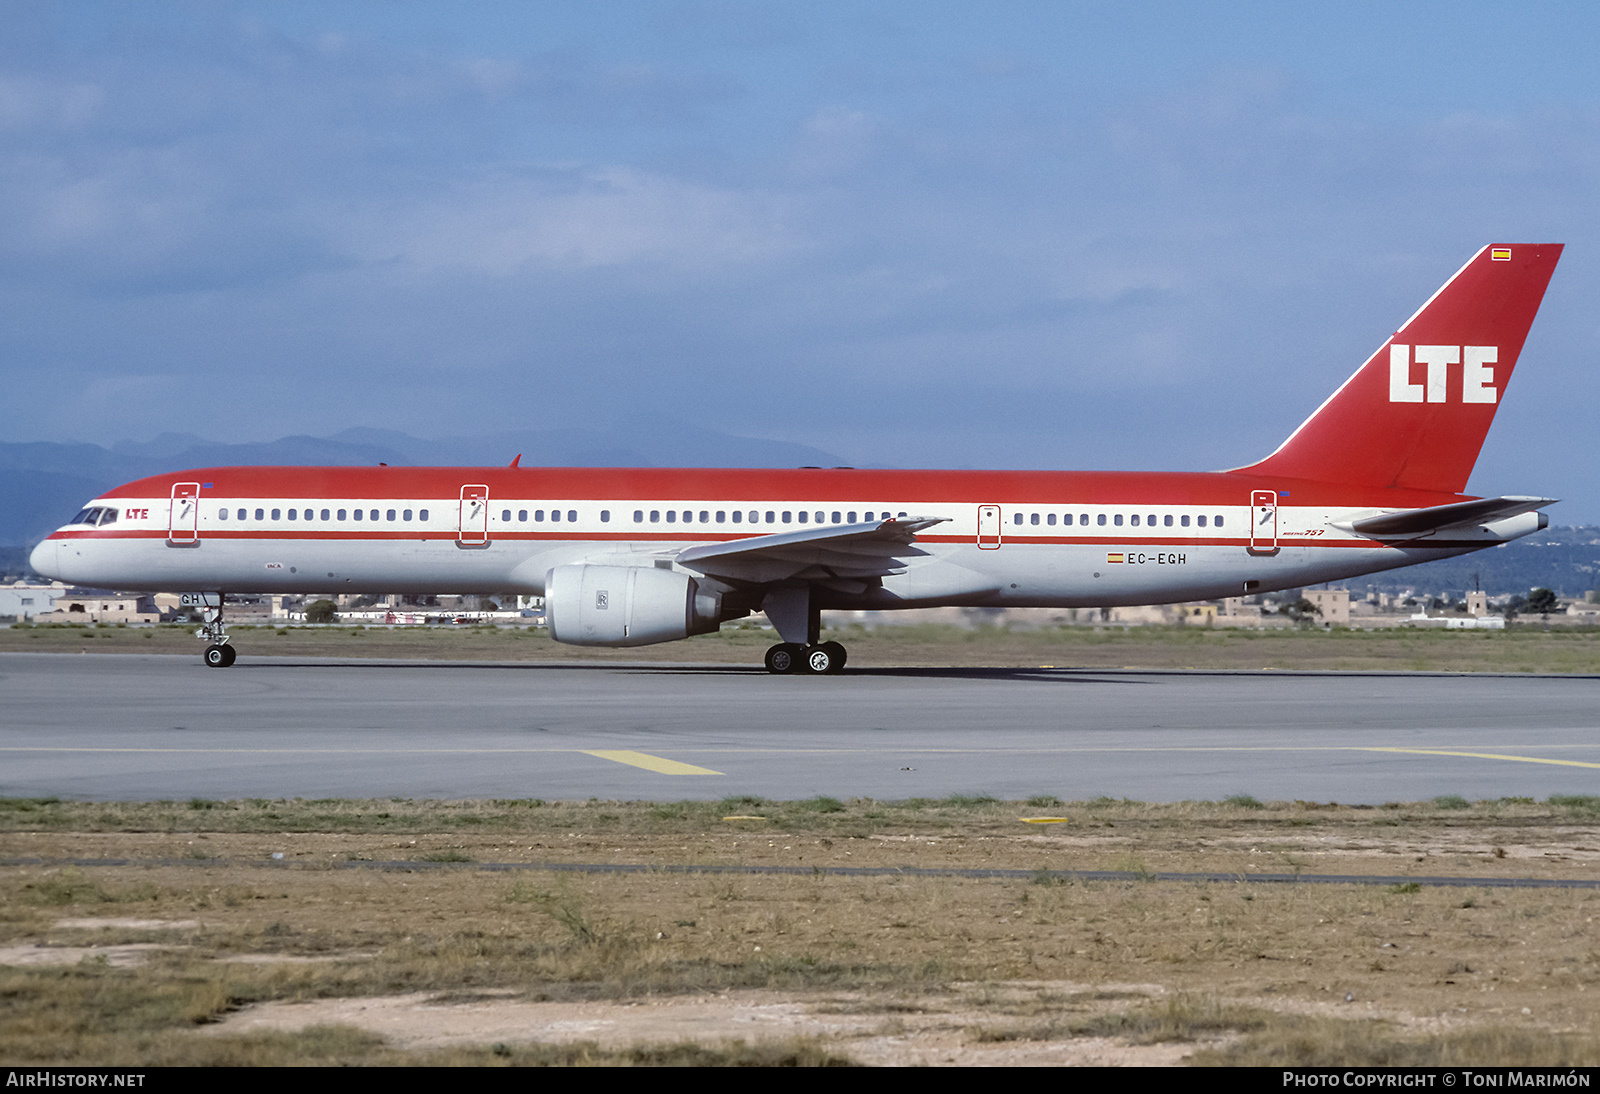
{"x": 82, "y": 517}
{"x": 107, "y": 516}
{"x": 95, "y": 514}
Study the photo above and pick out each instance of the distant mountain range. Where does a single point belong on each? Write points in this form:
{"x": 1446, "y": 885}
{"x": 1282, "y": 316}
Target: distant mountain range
{"x": 42, "y": 484}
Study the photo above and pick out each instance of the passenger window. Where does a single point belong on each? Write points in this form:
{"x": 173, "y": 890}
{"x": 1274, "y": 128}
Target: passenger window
{"x": 1117, "y": 520}
{"x": 342, "y": 513}
{"x": 391, "y": 514}
{"x": 1101, "y": 519}
{"x": 357, "y": 514}
{"x": 786, "y": 516}
{"x": 605, "y": 516}
{"x": 1083, "y": 518}
{"x": 705, "y": 516}
{"x": 324, "y": 514}
{"x": 822, "y": 518}
{"x": 277, "y": 514}
{"x": 1050, "y": 520}
{"x": 867, "y": 516}
{"x": 406, "y": 515}
{"x": 1217, "y": 520}
{"x": 737, "y": 516}
{"x": 755, "y": 517}
{"x": 1167, "y": 520}
{"x": 672, "y": 516}
{"x": 291, "y": 514}
{"x": 638, "y": 516}
{"x": 422, "y": 514}
{"x": 222, "y": 514}
{"x": 1033, "y": 519}
{"x": 804, "y": 516}
{"x": 505, "y": 516}
{"x": 1134, "y": 520}
{"x": 850, "y": 518}
{"x": 1016, "y": 518}
{"x": 555, "y": 515}
{"x": 538, "y": 516}
{"x": 261, "y": 514}
{"x": 655, "y": 516}
{"x": 522, "y": 516}
{"x": 374, "y": 515}
{"x": 1184, "y": 520}
{"x": 1202, "y": 521}
{"x": 722, "y": 515}
{"x": 572, "y": 514}
{"x": 771, "y": 516}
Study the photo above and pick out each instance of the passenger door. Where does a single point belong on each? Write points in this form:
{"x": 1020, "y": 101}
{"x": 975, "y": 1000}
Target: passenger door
{"x": 183, "y": 521}
{"x": 472, "y": 524}
{"x": 1264, "y": 522}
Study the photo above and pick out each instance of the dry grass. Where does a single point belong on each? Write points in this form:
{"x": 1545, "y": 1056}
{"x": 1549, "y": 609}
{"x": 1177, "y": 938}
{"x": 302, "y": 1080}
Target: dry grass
{"x": 987, "y": 969}
{"x": 1525, "y": 648}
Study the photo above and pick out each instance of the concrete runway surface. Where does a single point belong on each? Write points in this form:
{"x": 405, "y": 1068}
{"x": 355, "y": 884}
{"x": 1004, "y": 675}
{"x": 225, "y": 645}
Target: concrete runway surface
{"x": 151, "y": 727}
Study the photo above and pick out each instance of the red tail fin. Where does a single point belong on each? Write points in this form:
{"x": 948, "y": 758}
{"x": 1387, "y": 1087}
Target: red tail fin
{"x": 1416, "y": 414}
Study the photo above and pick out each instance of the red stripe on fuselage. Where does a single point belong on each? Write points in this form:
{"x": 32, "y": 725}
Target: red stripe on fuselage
{"x": 772, "y": 487}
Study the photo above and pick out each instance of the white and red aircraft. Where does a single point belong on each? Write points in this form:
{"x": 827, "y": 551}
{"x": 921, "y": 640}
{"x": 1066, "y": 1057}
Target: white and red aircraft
{"x": 630, "y": 557}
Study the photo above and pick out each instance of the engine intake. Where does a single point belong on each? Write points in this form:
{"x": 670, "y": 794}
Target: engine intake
{"x": 591, "y": 605}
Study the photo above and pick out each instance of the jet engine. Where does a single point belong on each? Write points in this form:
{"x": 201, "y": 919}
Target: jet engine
{"x": 592, "y": 605}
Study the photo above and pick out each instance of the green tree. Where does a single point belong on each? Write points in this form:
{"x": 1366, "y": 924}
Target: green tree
{"x": 320, "y": 611}
{"x": 1541, "y": 602}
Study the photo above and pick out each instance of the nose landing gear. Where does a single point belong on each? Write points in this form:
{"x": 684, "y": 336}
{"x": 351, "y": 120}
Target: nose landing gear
{"x": 214, "y": 632}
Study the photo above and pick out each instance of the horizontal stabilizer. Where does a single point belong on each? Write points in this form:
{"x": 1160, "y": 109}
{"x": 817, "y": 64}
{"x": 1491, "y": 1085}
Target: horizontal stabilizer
{"x": 1459, "y": 514}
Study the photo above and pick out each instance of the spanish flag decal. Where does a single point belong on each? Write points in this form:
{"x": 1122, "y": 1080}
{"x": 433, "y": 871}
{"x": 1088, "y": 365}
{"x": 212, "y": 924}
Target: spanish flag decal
{"x": 1114, "y": 556}
{"x": 1500, "y": 254}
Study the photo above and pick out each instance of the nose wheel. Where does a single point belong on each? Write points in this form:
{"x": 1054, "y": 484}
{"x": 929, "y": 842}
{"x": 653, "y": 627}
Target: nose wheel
{"x": 213, "y": 632}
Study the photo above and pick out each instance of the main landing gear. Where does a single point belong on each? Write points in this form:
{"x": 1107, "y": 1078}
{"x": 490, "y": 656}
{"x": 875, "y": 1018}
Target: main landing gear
{"x": 820, "y": 659}
{"x": 214, "y": 632}
{"x": 796, "y": 616}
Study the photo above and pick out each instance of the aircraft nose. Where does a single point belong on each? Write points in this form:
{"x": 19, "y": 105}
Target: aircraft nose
{"x": 43, "y": 559}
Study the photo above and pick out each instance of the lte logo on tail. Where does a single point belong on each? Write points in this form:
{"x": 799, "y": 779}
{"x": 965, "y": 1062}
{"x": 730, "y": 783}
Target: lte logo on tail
{"x": 1476, "y": 375}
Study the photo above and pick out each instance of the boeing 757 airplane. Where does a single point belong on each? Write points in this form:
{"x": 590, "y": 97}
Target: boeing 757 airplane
{"x": 629, "y": 557}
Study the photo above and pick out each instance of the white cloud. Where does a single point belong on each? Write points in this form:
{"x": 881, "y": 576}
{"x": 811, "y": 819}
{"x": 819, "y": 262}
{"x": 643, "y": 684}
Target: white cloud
{"x": 601, "y": 217}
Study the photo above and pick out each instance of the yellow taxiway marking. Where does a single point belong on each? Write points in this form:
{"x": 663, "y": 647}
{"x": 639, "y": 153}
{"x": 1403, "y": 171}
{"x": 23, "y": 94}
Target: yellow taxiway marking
{"x": 1485, "y": 756}
{"x": 650, "y": 763}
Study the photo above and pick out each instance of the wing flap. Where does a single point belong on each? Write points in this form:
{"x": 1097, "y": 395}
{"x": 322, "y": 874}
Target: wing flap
{"x": 847, "y": 551}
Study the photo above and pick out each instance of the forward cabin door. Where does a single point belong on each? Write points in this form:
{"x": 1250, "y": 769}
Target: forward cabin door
{"x": 989, "y": 527}
{"x": 183, "y": 522}
{"x": 1263, "y": 522}
{"x": 472, "y": 527}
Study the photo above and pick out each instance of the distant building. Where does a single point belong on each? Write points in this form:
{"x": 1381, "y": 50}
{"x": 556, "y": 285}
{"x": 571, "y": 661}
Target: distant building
{"x": 1333, "y": 605}
{"x": 22, "y": 601}
{"x": 80, "y": 606}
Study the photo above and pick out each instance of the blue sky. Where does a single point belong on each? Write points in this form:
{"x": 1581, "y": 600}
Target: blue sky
{"x": 1026, "y": 235}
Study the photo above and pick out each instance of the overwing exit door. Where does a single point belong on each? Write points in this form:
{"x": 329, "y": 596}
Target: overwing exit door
{"x": 989, "y": 527}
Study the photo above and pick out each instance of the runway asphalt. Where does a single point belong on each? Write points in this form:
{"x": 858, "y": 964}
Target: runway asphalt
{"x": 106, "y": 727}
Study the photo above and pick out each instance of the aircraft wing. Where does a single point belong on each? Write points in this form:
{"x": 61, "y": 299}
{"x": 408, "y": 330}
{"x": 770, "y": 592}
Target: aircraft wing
{"x": 838, "y": 556}
{"x": 1413, "y": 522}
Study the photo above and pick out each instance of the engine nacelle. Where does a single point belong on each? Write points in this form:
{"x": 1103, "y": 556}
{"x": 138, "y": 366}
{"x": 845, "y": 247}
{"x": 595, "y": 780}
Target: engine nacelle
{"x": 592, "y": 605}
